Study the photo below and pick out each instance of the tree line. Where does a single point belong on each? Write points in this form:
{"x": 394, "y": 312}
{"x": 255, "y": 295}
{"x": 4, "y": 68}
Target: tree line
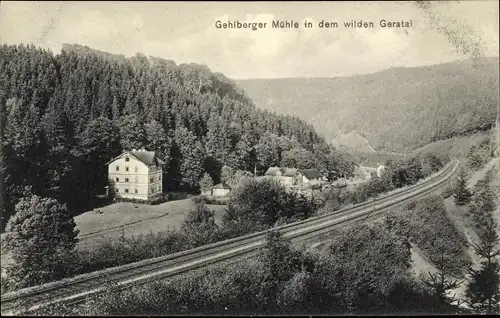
{"x": 65, "y": 115}
{"x": 366, "y": 269}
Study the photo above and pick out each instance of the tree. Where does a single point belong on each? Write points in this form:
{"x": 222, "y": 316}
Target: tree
{"x": 206, "y": 183}
{"x": 334, "y": 199}
{"x": 298, "y": 207}
{"x": 360, "y": 267}
{"x": 298, "y": 158}
{"x": 157, "y": 140}
{"x": 199, "y": 226}
{"x": 462, "y": 194}
{"x": 474, "y": 160}
{"x": 281, "y": 262}
{"x": 133, "y": 134}
{"x": 483, "y": 291}
{"x": 40, "y": 236}
{"x": 234, "y": 177}
{"x": 190, "y": 156}
{"x": 483, "y": 204}
{"x": 268, "y": 150}
{"x": 99, "y": 143}
{"x": 431, "y": 163}
{"x": 257, "y": 203}
{"x": 441, "y": 284}
{"x": 100, "y": 140}
{"x": 245, "y": 153}
{"x": 218, "y": 143}
{"x": 3, "y": 161}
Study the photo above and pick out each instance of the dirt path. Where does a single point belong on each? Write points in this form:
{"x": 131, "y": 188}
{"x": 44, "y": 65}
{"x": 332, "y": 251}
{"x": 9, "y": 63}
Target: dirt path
{"x": 422, "y": 265}
{"x": 479, "y": 175}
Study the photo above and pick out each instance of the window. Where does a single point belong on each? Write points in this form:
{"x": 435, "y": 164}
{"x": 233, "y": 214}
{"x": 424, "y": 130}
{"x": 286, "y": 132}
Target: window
{"x": 127, "y": 159}
{"x": 152, "y": 189}
{"x": 117, "y": 190}
{"x": 117, "y": 168}
{"x": 136, "y": 179}
{"x": 135, "y": 168}
{"x": 117, "y": 179}
{"x": 151, "y": 179}
{"x": 126, "y": 190}
{"x": 135, "y": 190}
{"x": 126, "y": 168}
{"x": 126, "y": 179}
{"x": 159, "y": 177}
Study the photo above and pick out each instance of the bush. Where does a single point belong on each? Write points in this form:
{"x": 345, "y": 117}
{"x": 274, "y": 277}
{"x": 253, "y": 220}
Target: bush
{"x": 110, "y": 253}
{"x": 4, "y": 285}
{"x": 208, "y": 199}
{"x": 428, "y": 226}
{"x": 173, "y": 196}
{"x": 262, "y": 203}
{"x": 199, "y": 226}
{"x": 447, "y": 191}
{"x": 200, "y": 199}
{"x": 153, "y": 201}
{"x": 365, "y": 270}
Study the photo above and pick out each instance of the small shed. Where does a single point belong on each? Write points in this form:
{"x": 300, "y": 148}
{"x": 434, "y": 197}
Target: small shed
{"x": 221, "y": 190}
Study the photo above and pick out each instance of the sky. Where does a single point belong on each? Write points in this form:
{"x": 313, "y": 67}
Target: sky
{"x": 185, "y": 32}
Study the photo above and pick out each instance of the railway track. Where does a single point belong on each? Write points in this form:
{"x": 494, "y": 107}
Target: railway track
{"x": 77, "y": 289}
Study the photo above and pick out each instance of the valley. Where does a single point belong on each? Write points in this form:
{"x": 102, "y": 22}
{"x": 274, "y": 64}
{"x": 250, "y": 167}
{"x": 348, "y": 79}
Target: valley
{"x": 396, "y": 109}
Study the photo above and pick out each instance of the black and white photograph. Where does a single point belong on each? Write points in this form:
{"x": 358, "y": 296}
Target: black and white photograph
{"x": 207, "y": 158}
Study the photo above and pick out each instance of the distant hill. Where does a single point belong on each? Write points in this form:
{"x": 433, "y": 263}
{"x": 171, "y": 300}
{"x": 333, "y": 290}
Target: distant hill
{"x": 393, "y": 109}
{"x": 353, "y": 141}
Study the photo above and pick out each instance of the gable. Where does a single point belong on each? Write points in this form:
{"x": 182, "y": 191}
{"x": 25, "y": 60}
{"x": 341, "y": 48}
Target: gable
{"x": 122, "y": 159}
{"x": 222, "y": 185}
{"x": 146, "y": 157}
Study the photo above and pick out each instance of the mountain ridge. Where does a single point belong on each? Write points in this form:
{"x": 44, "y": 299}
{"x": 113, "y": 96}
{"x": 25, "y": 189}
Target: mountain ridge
{"x": 395, "y": 109}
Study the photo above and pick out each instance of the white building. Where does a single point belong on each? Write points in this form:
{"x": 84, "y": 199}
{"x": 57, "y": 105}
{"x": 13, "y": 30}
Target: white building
{"x": 221, "y": 190}
{"x": 285, "y": 176}
{"x": 136, "y": 174}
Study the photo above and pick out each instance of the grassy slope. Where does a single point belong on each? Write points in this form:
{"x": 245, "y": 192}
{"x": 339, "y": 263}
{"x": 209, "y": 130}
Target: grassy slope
{"x": 495, "y": 185}
{"x": 454, "y": 147}
{"x": 393, "y": 109}
{"x": 143, "y": 219}
{"x": 153, "y": 219}
{"x": 421, "y": 263}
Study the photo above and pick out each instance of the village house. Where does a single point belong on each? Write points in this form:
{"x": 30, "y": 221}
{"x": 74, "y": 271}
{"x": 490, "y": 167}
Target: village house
{"x": 311, "y": 176}
{"x": 364, "y": 172}
{"x": 136, "y": 174}
{"x": 285, "y": 176}
{"x": 221, "y": 190}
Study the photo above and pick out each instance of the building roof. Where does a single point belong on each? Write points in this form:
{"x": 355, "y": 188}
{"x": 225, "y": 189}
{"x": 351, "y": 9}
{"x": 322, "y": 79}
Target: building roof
{"x": 311, "y": 173}
{"x": 366, "y": 168}
{"x": 222, "y": 185}
{"x": 147, "y": 157}
{"x": 272, "y": 171}
{"x": 286, "y": 172}
{"x": 290, "y": 172}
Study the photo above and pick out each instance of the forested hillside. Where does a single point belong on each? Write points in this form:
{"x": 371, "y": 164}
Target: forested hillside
{"x": 394, "y": 109}
{"x": 63, "y": 117}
